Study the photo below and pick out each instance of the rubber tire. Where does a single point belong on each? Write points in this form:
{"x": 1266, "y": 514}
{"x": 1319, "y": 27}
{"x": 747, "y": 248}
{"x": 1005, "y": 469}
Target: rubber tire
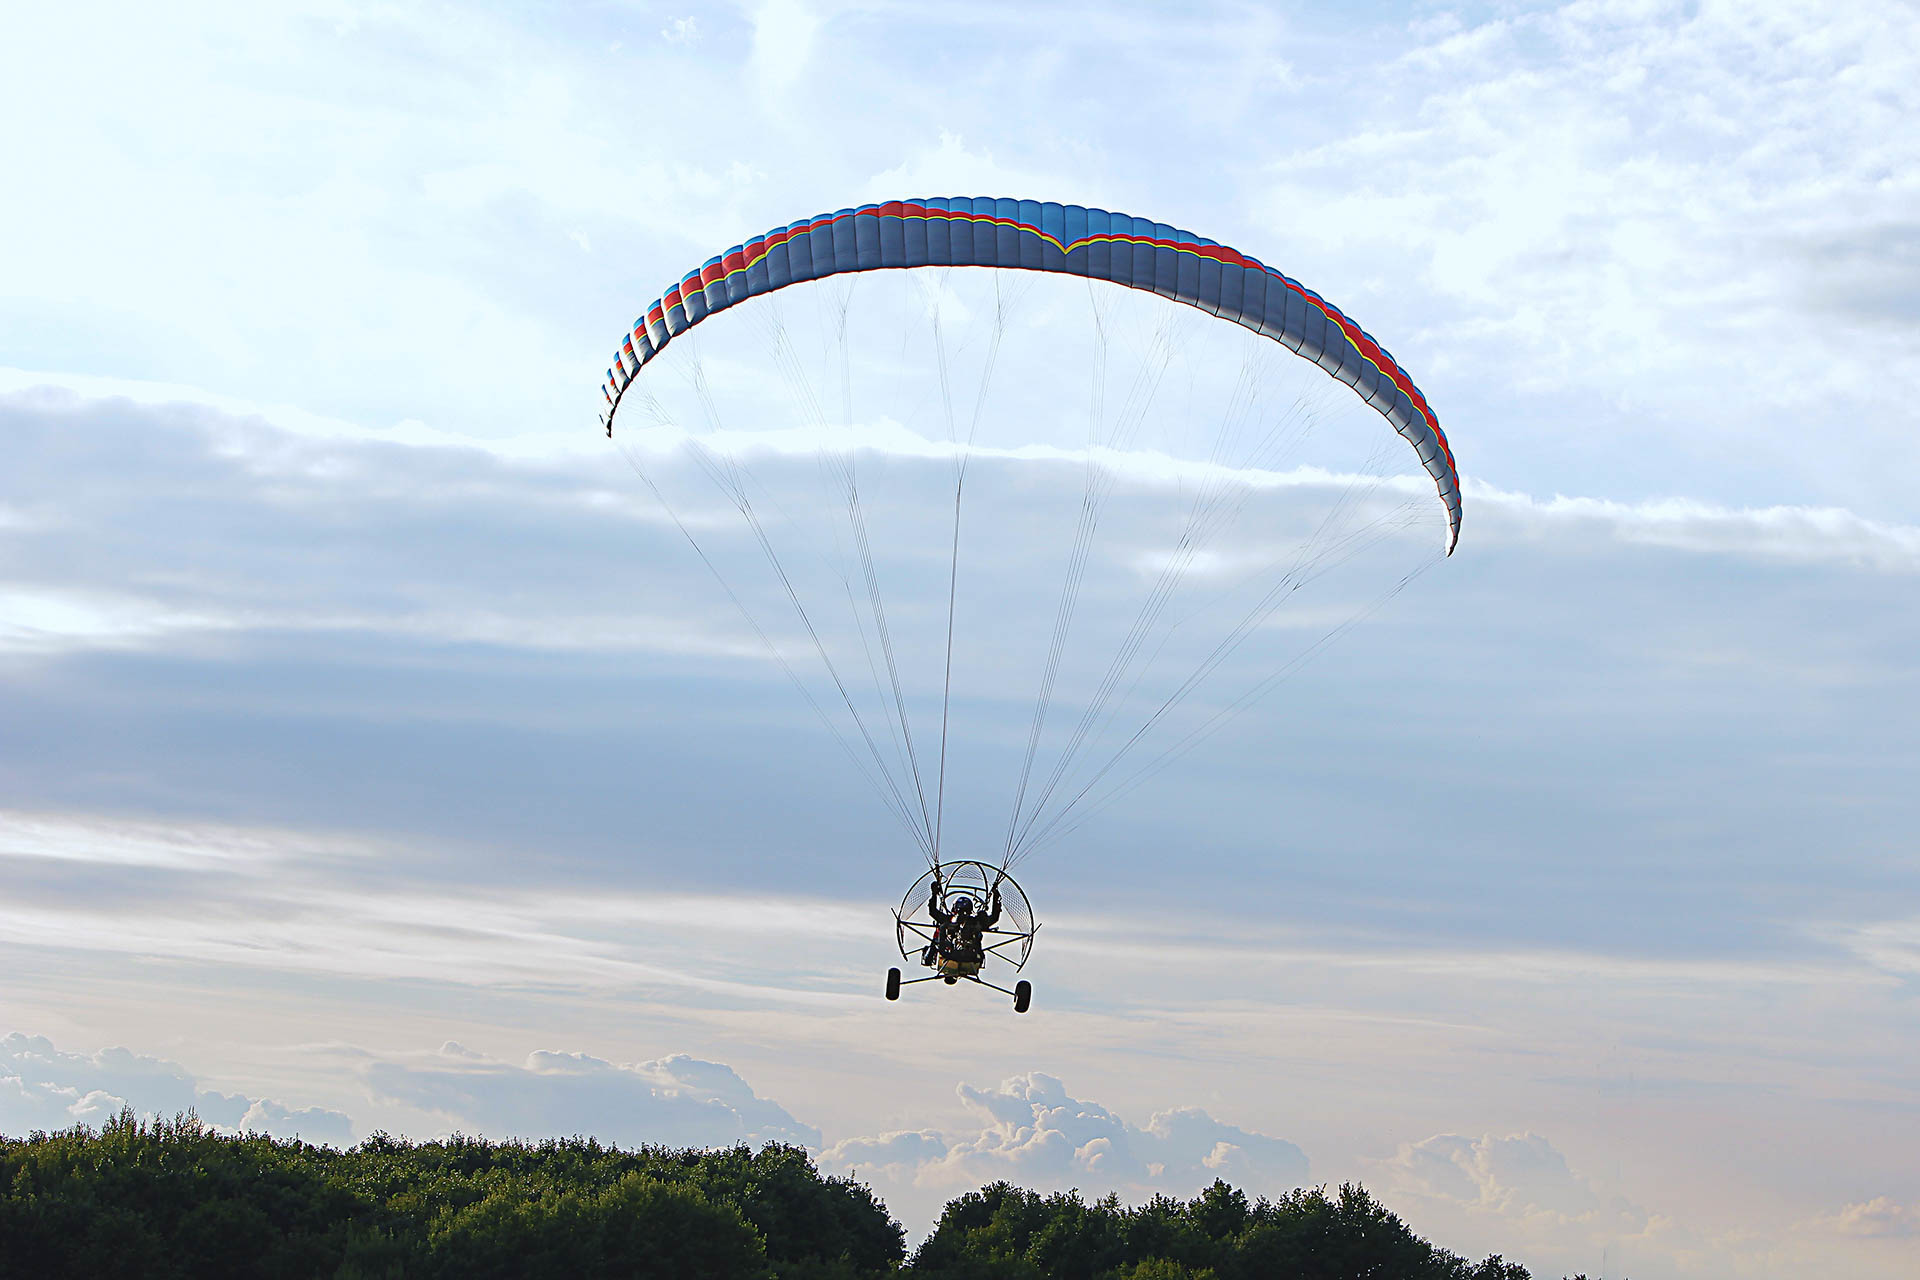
{"x": 893, "y": 984}
{"x": 1022, "y": 996}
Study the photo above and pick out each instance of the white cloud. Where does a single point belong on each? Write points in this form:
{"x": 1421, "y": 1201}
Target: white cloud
{"x": 233, "y": 425}
{"x": 38, "y": 621}
{"x": 892, "y": 1157}
{"x": 1890, "y": 946}
{"x": 1881, "y": 1217}
{"x": 290, "y": 910}
{"x": 1035, "y": 1134}
{"x": 1519, "y": 1190}
{"x": 51, "y": 1089}
{"x": 169, "y": 845}
{"x": 1640, "y": 222}
{"x": 677, "y": 1101}
{"x": 309, "y": 1124}
{"x": 335, "y": 905}
{"x": 1789, "y": 534}
{"x": 1518, "y": 1195}
{"x": 41, "y": 620}
{"x": 1521, "y": 1176}
{"x": 44, "y": 1088}
{"x": 423, "y": 164}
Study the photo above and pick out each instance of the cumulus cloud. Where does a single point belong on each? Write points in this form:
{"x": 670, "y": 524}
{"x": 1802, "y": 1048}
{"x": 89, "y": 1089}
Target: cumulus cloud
{"x": 1517, "y": 1193}
{"x": 45, "y": 1088}
{"x": 1520, "y": 1175}
{"x": 676, "y": 1101}
{"x": 1034, "y": 1133}
{"x": 895, "y": 1156}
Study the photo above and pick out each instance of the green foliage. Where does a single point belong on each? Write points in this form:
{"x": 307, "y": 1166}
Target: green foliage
{"x": 173, "y": 1199}
{"x": 639, "y": 1227}
{"x": 164, "y": 1199}
{"x": 1218, "y": 1235}
{"x": 1162, "y": 1269}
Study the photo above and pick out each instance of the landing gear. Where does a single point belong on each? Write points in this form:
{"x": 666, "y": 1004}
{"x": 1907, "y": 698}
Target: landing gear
{"x": 1022, "y": 995}
{"x": 893, "y": 984}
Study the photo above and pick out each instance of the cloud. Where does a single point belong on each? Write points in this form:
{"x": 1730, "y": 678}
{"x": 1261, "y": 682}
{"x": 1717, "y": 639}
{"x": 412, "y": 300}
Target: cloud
{"x": 51, "y": 1089}
{"x": 1646, "y": 225}
{"x": 310, "y": 1124}
{"x": 1803, "y": 535}
{"x": 1891, "y": 946}
{"x": 162, "y": 845}
{"x": 277, "y": 900}
{"x": 51, "y": 620}
{"x": 1880, "y": 1218}
{"x": 1520, "y": 1176}
{"x": 895, "y": 1157}
{"x": 1517, "y": 1195}
{"x": 44, "y": 1088}
{"x": 1035, "y": 1134}
{"x": 677, "y": 1101}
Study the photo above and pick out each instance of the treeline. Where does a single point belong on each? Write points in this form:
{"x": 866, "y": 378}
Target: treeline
{"x": 1005, "y": 1233}
{"x": 175, "y": 1199}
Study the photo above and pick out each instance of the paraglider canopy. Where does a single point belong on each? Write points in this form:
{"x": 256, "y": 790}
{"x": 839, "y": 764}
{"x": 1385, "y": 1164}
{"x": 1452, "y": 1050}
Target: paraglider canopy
{"x": 1070, "y": 239}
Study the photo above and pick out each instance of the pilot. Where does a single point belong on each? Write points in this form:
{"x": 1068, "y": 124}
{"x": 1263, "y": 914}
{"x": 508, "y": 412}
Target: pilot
{"x": 958, "y": 928}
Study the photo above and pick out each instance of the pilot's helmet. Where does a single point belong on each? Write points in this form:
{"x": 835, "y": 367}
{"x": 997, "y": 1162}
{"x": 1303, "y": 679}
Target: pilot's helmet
{"x": 964, "y": 907}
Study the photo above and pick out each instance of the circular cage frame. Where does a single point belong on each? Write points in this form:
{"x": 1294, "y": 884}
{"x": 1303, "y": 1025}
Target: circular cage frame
{"x": 1010, "y": 943}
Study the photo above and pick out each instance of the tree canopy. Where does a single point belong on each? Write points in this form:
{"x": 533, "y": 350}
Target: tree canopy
{"x": 174, "y": 1198}
{"x": 1008, "y": 1233}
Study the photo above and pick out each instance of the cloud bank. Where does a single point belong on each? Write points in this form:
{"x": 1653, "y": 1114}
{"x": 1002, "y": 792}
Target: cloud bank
{"x": 1035, "y": 1134}
{"x": 47, "y": 1089}
{"x": 676, "y": 1101}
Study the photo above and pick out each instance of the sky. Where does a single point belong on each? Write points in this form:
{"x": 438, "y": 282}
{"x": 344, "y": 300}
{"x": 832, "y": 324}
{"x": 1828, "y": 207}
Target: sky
{"x": 378, "y": 754}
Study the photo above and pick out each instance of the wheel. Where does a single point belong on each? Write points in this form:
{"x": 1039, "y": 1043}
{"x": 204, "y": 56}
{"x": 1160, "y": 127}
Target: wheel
{"x": 893, "y": 984}
{"x": 1022, "y": 995}
{"x": 950, "y": 981}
